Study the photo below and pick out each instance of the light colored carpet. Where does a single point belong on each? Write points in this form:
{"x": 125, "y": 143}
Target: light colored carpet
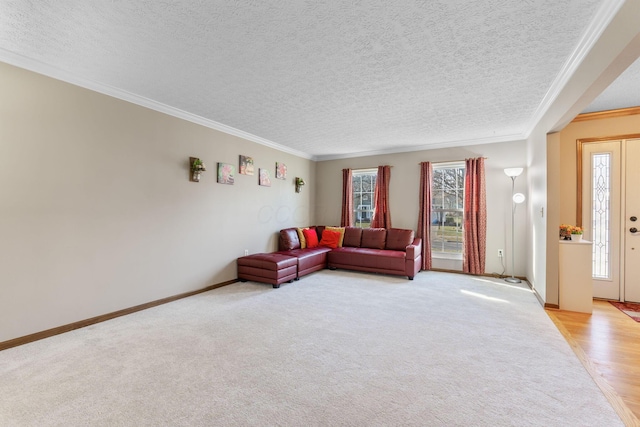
{"x": 336, "y": 348}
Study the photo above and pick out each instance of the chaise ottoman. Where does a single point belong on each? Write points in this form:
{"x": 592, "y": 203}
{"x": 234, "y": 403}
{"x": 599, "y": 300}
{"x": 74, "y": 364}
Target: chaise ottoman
{"x": 268, "y": 268}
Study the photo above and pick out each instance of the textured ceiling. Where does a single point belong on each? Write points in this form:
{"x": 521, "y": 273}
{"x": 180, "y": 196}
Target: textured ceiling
{"x": 624, "y": 92}
{"x": 323, "y": 78}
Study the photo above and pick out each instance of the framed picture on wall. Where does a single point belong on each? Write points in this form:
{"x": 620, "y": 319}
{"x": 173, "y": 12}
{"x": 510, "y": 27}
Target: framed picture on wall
{"x": 281, "y": 171}
{"x": 265, "y": 178}
{"x": 225, "y": 173}
{"x": 246, "y": 165}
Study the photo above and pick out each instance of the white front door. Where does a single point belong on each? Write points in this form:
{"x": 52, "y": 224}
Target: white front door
{"x": 611, "y": 216}
{"x": 601, "y": 212}
{"x": 632, "y": 221}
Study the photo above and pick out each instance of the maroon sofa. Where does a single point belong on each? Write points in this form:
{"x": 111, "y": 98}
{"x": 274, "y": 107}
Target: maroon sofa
{"x": 377, "y": 250}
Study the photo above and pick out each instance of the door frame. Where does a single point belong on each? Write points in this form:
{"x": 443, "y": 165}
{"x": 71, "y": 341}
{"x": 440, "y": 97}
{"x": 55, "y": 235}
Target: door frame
{"x": 579, "y": 196}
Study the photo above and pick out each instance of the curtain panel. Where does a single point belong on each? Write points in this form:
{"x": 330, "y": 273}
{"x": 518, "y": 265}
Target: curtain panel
{"x": 424, "y": 214}
{"x": 347, "y": 198}
{"x": 382, "y": 216}
{"x": 475, "y": 217}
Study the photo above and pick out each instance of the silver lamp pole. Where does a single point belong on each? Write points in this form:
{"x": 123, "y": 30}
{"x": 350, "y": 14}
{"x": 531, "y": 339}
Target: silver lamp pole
{"x": 516, "y": 198}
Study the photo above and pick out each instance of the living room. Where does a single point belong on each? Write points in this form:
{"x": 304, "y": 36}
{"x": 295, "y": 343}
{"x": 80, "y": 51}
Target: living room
{"x": 97, "y": 180}
{"x": 108, "y": 184}
{"x": 99, "y": 213}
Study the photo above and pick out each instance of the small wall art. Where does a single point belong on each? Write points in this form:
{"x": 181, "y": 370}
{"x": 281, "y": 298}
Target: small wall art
{"x": 197, "y": 167}
{"x": 265, "y": 178}
{"x": 225, "y": 173}
{"x": 246, "y": 165}
{"x": 281, "y": 171}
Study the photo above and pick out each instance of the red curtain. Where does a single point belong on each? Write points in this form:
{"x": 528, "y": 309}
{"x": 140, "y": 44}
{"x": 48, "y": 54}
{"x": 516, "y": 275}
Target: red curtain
{"x": 347, "y": 198}
{"x": 382, "y": 216}
{"x": 424, "y": 216}
{"x": 475, "y": 217}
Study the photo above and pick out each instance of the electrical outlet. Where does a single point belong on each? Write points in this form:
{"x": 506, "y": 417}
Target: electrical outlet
{"x": 500, "y": 253}
{"x": 246, "y": 252}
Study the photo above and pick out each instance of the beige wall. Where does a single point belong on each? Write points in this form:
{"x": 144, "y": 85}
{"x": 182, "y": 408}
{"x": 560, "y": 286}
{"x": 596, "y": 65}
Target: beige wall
{"x": 404, "y": 193}
{"x": 536, "y": 233}
{"x": 551, "y": 292}
{"x": 97, "y": 213}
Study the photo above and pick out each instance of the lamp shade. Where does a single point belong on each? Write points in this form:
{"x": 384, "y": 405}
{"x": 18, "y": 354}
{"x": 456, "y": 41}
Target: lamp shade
{"x": 518, "y": 198}
{"x": 513, "y": 171}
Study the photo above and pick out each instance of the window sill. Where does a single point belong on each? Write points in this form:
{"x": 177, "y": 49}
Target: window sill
{"x": 444, "y": 255}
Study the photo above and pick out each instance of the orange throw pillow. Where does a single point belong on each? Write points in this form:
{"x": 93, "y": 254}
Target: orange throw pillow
{"x": 330, "y": 238}
{"x": 339, "y": 230}
{"x": 311, "y": 237}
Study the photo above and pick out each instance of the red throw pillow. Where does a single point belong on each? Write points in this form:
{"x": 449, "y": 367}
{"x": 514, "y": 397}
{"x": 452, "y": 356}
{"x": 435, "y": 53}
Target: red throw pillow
{"x": 330, "y": 238}
{"x": 311, "y": 236}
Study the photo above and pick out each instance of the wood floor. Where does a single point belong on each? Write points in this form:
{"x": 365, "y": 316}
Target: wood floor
{"x": 608, "y": 344}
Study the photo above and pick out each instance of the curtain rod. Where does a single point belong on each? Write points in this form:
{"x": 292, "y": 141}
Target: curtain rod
{"x": 375, "y": 167}
{"x": 451, "y": 161}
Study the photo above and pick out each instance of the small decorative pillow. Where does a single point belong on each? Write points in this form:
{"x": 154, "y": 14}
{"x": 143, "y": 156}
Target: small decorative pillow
{"x": 311, "y": 237}
{"x": 330, "y": 238}
{"x": 303, "y": 241}
{"x": 339, "y": 230}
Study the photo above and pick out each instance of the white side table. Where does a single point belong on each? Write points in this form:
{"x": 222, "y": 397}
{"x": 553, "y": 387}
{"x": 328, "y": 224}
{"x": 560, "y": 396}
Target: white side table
{"x": 575, "y": 281}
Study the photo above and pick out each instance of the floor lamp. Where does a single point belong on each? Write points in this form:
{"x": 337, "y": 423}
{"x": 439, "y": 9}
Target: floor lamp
{"x": 516, "y": 199}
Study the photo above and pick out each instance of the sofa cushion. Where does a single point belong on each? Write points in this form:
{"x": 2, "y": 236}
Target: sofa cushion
{"x": 308, "y": 259}
{"x": 373, "y": 238}
{"x": 339, "y": 230}
{"x": 303, "y": 241}
{"x": 352, "y": 237}
{"x": 382, "y": 260}
{"x": 330, "y": 238}
{"x": 289, "y": 239}
{"x": 311, "y": 237}
{"x": 398, "y": 239}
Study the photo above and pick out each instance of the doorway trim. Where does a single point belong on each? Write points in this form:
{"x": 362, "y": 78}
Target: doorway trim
{"x": 607, "y": 114}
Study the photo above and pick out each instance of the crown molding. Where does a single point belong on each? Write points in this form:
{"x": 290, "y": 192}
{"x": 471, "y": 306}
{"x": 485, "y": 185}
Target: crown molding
{"x": 65, "y": 76}
{"x": 434, "y": 146}
{"x": 607, "y": 114}
{"x": 603, "y": 17}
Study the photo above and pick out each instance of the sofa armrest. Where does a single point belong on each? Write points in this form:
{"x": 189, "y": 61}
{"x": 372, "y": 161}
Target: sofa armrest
{"x": 414, "y": 250}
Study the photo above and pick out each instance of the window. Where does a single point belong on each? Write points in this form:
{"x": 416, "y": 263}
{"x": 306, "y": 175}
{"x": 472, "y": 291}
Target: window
{"x": 364, "y": 185}
{"x": 447, "y": 200}
{"x": 600, "y": 215}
